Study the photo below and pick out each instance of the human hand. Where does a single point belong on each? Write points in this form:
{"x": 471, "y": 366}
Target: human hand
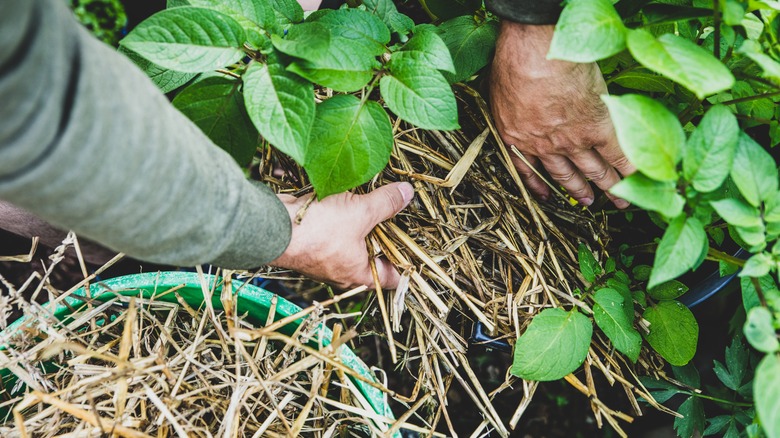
{"x": 551, "y": 112}
{"x": 329, "y": 244}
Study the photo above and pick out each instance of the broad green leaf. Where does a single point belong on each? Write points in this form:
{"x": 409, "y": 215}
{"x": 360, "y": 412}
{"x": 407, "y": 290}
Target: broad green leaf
{"x": 673, "y": 331}
{"x": 754, "y": 171}
{"x": 660, "y": 196}
{"x": 253, "y": 16}
{"x": 589, "y": 267}
{"x": 759, "y": 330}
{"x": 770, "y": 66}
{"x": 471, "y": 44}
{"x": 710, "y": 150}
{"x": 668, "y": 290}
{"x": 610, "y": 315}
{"x": 749, "y": 293}
{"x": 757, "y": 265}
{"x": 687, "y": 374}
{"x": 217, "y": 107}
{"x": 692, "y": 422}
{"x": 644, "y": 80}
{"x": 758, "y": 108}
{"x": 772, "y": 208}
{"x": 281, "y": 106}
{"x": 166, "y": 80}
{"x": 307, "y": 41}
{"x": 754, "y": 237}
{"x": 587, "y": 31}
{"x": 649, "y": 134}
{"x": 766, "y": 394}
{"x": 350, "y": 143}
{"x": 661, "y": 390}
{"x": 628, "y": 299}
{"x": 287, "y": 11}
{"x": 386, "y": 10}
{"x": 733, "y": 12}
{"x": 188, "y": 39}
{"x": 681, "y": 61}
{"x": 642, "y": 272}
{"x": 554, "y": 345}
{"x": 679, "y": 250}
{"x": 359, "y": 27}
{"x": 420, "y": 95}
{"x": 737, "y": 212}
{"x": 426, "y": 47}
{"x": 343, "y": 66}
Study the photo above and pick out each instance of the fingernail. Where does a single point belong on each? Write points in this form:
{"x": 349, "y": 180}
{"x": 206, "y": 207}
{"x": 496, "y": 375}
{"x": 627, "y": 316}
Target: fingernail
{"x": 621, "y": 203}
{"x": 586, "y": 201}
{"x": 407, "y": 192}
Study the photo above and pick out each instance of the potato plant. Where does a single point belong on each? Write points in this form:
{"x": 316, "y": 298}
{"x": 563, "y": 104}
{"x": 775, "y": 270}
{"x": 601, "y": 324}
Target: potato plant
{"x": 269, "y": 56}
{"x": 698, "y": 82}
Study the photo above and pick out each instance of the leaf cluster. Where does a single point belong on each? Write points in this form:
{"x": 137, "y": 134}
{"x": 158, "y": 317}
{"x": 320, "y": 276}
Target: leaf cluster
{"x": 252, "y": 69}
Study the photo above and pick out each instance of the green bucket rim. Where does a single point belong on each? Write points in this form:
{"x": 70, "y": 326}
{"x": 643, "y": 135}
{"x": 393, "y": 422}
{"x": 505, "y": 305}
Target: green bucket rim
{"x": 251, "y": 300}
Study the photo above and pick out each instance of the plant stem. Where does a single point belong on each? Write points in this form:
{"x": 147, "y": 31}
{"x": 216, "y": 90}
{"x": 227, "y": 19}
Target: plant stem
{"x": 750, "y": 98}
{"x": 720, "y": 400}
{"x": 759, "y": 291}
{"x": 720, "y": 256}
{"x": 716, "y": 24}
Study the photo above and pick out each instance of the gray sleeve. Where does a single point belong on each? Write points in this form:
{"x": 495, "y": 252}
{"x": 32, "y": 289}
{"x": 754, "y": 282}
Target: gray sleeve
{"x": 88, "y": 143}
{"x": 526, "y": 11}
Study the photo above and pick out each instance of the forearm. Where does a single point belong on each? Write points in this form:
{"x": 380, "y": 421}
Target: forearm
{"x": 88, "y": 143}
{"x": 526, "y": 11}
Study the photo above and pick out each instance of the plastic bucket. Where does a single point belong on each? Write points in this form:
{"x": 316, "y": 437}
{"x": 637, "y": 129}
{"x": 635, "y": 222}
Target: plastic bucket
{"x": 252, "y": 301}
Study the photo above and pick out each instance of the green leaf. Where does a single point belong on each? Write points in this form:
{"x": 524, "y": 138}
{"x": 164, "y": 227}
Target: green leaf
{"x": 343, "y": 66}
{"x": 308, "y": 41}
{"x": 673, "y": 331}
{"x": 428, "y": 48}
{"x": 668, "y": 290}
{"x": 553, "y": 346}
{"x": 766, "y": 394}
{"x": 287, "y": 11}
{"x": 737, "y": 212}
{"x": 688, "y": 375}
{"x": 446, "y": 9}
{"x": 681, "y": 61}
{"x": 710, "y": 150}
{"x": 753, "y": 237}
{"x": 166, "y": 80}
{"x": 661, "y": 390}
{"x": 281, "y": 106}
{"x": 386, "y": 10}
{"x": 611, "y": 316}
{"x": 717, "y": 235}
{"x": 644, "y": 80}
{"x": 217, "y": 107}
{"x": 754, "y": 171}
{"x": 757, "y": 265}
{"x": 679, "y": 250}
{"x": 188, "y": 39}
{"x": 660, "y": 196}
{"x": 359, "y": 28}
{"x": 650, "y": 135}
{"x": 589, "y": 267}
{"x": 749, "y": 293}
{"x": 253, "y": 16}
{"x": 471, "y": 44}
{"x": 350, "y": 143}
{"x": 420, "y": 95}
{"x": 733, "y": 373}
{"x": 587, "y": 31}
{"x": 770, "y": 66}
{"x": 642, "y": 272}
{"x": 692, "y": 411}
{"x": 772, "y": 208}
{"x": 759, "y": 330}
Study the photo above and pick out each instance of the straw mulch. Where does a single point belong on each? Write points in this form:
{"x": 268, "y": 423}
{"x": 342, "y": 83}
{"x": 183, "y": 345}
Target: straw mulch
{"x": 134, "y": 367}
{"x": 474, "y": 246}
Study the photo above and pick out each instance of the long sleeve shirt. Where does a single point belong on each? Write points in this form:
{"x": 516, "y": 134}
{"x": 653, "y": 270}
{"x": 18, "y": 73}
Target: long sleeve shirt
{"x": 88, "y": 143}
{"x": 526, "y": 11}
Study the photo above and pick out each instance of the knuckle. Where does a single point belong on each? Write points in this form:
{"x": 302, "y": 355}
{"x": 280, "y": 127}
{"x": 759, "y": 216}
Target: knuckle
{"x": 599, "y": 175}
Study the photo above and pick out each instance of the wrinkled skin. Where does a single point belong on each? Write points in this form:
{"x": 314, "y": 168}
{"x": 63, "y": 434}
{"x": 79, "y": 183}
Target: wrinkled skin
{"x": 329, "y": 243}
{"x": 551, "y": 112}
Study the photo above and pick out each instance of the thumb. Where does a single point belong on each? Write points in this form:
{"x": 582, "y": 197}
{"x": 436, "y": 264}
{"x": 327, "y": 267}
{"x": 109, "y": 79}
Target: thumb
{"x": 387, "y": 201}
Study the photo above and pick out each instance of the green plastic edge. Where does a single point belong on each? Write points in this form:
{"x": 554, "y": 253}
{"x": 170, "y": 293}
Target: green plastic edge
{"x": 252, "y": 301}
